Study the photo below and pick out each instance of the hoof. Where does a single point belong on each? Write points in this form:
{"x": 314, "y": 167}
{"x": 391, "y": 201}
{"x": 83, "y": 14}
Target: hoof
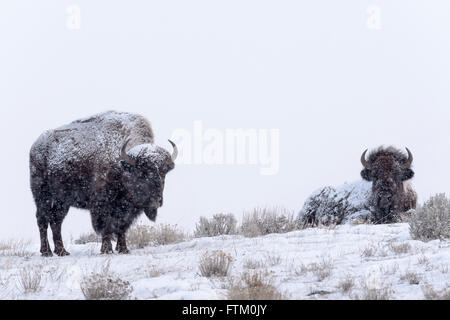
{"x": 61, "y": 252}
{"x": 47, "y": 254}
{"x": 106, "y": 252}
{"x": 124, "y": 251}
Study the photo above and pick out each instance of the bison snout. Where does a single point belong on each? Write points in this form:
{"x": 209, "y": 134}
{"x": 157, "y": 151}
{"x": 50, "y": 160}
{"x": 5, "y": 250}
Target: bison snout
{"x": 157, "y": 202}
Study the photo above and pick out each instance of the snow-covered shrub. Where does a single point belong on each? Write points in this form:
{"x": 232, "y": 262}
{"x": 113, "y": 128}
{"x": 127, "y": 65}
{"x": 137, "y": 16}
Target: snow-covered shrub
{"x": 219, "y": 224}
{"x": 140, "y": 236}
{"x": 105, "y": 285}
{"x": 346, "y": 284}
{"x": 384, "y": 293}
{"x": 253, "y": 285}
{"x": 401, "y": 248}
{"x": 88, "y": 238}
{"x": 262, "y": 221}
{"x": 12, "y": 247}
{"x": 321, "y": 270}
{"x": 164, "y": 234}
{"x": 254, "y": 264}
{"x": 273, "y": 260}
{"x": 343, "y": 204}
{"x": 215, "y": 264}
{"x": 431, "y": 294}
{"x": 431, "y": 220}
{"x": 153, "y": 271}
{"x": 30, "y": 279}
{"x": 373, "y": 291}
{"x": 411, "y": 277}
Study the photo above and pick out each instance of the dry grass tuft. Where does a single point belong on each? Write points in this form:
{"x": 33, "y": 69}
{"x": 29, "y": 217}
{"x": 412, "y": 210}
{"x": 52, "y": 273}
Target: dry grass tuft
{"x": 153, "y": 272}
{"x": 140, "y": 236}
{"x": 17, "y": 248}
{"x": 431, "y": 294}
{"x": 89, "y": 237}
{"x": 254, "y": 286}
{"x": 346, "y": 284}
{"x": 374, "y": 294}
{"x": 411, "y": 277}
{"x": 254, "y": 264}
{"x": 401, "y": 248}
{"x": 30, "y": 279}
{"x": 215, "y": 264}
{"x": 321, "y": 270}
{"x": 373, "y": 251}
{"x": 273, "y": 260}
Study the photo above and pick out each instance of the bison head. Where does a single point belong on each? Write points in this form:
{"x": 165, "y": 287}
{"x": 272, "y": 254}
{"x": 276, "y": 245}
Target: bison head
{"x": 144, "y": 171}
{"x": 387, "y": 169}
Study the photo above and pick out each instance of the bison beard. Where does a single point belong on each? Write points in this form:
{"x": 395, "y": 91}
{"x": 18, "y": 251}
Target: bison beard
{"x": 388, "y": 169}
{"x": 86, "y": 165}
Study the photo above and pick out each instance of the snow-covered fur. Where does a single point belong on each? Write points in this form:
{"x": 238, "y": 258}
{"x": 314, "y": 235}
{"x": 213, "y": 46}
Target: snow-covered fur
{"x": 389, "y": 170}
{"x": 82, "y": 165}
{"x": 330, "y": 205}
{"x": 380, "y": 197}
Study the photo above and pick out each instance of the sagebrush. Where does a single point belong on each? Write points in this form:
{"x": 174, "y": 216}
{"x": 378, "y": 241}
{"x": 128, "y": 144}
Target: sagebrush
{"x": 431, "y": 220}
{"x": 140, "y": 236}
{"x": 262, "y": 221}
{"x": 30, "y": 279}
{"x": 216, "y": 263}
{"x": 105, "y": 285}
{"x": 219, "y": 224}
{"x": 254, "y": 286}
{"x": 11, "y": 247}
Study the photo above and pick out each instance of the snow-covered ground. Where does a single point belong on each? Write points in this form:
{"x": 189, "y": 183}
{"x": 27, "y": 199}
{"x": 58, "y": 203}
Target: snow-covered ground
{"x": 374, "y": 256}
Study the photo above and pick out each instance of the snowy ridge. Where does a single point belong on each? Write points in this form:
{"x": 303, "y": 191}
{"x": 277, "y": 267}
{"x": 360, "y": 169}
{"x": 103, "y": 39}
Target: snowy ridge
{"x": 178, "y": 276}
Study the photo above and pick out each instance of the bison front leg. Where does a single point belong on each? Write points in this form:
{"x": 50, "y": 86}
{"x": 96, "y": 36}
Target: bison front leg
{"x": 121, "y": 245}
{"x": 57, "y": 239}
{"x": 106, "y": 244}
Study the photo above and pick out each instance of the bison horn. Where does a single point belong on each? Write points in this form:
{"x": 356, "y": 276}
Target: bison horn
{"x": 364, "y": 161}
{"x": 175, "y": 151}
{"x": 124, "y": 156}
{"x": 410, "y": 159}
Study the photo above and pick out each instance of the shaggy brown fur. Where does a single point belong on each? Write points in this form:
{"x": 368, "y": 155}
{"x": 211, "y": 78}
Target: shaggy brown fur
{"x": 388, "y": 170}
{"x": 81, "y": 165}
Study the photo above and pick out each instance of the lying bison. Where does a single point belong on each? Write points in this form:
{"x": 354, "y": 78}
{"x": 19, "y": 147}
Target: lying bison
{"x": 380, "y": 197}
{"x": 107, "y": 164}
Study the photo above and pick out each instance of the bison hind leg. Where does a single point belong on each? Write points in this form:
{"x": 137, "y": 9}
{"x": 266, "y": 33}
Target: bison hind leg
{"x": 58, "y": 213}
{"x": 42, "y": 222}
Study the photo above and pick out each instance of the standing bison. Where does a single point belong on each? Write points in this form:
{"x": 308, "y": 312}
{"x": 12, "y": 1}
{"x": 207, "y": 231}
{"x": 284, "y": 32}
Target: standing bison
{"x": 384, "y": 193}
{"x": 107, "y": 164}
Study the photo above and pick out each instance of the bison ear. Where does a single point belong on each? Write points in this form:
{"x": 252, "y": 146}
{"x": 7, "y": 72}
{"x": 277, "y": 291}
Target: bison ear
{"x": 125, "y": 165}
{"x": 366, "y": 174}
{"x": 407, "y": 174}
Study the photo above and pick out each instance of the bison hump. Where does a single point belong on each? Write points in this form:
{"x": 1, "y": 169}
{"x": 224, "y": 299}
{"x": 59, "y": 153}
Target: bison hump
{"x": 94, "y": 140}
{"x": 330, "y": 205}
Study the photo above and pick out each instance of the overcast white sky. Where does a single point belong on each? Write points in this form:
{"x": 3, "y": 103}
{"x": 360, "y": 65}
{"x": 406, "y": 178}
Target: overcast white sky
{"x": 312, "y": 69}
